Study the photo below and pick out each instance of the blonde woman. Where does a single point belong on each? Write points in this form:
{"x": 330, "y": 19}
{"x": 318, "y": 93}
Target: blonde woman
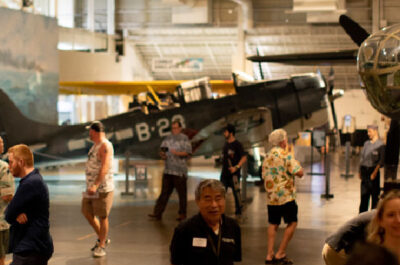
{"x": 384, "y": 228}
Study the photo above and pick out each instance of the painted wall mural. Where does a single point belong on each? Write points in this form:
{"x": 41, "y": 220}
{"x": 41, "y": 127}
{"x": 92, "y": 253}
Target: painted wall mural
{"x": 29, "y": 63}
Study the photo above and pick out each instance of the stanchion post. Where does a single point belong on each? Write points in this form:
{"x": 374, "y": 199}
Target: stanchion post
{"x": 327, "y": 194}
{"x": 347, "y": 158}
{"x": 127, "y": 192}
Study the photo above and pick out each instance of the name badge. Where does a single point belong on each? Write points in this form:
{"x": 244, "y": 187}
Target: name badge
{"x": 199, "y": 242}
{"x": 228, "y": 240}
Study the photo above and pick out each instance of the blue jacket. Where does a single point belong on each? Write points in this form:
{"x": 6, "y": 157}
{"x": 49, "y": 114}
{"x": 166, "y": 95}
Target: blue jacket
{"x": 31, "y": 198}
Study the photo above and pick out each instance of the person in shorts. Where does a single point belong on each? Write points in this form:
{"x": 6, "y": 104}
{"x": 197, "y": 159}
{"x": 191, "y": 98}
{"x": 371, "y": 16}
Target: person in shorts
{"x": 97, "y": 200}
{"x": 278, "y": 171}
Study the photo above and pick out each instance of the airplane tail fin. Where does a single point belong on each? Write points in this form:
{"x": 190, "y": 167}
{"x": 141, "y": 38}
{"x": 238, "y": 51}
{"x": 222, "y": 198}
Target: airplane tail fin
{"x": 15, "y": 128}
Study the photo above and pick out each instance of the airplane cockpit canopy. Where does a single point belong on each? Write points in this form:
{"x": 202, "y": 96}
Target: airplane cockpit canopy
{"x": 195, "y": 90}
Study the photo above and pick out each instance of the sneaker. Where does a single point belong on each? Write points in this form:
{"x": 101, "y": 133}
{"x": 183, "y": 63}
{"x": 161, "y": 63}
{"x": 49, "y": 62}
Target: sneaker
{"x": 99, "y": 252}
{"x": 108, "y": 241}
{"x": 154, "y": 217}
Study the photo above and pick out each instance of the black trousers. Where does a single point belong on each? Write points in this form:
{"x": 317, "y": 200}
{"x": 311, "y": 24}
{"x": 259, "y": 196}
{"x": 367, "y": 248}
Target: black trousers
{"x": 169, "y": 182}
{"x": 29, "y": 260}
{"x": 229, "y": 182}
{"x": 369, "y": 188}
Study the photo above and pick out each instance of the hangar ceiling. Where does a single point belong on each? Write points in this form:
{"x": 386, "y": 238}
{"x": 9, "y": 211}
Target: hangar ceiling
{"x": 149, "y": 27}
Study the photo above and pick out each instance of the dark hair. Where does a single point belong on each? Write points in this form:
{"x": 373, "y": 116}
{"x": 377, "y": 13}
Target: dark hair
{"x": 230, "y": 128}
{"x": 177, "y": 122}
{"x": 371, "y": 254}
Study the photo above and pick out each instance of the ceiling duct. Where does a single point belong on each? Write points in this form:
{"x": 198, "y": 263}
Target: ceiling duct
{"x": 173, "y": 2}
{"x": 179, "y": 2}
{"x": 320, "y": 11}
{"x": 192, "y": 12}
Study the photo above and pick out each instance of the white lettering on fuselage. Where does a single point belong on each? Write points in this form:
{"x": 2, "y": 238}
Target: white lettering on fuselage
{"x": 124, "y": 134}
{"x": 180, "y": 118}
{"x": 76, "y": 144}
{"x": 163, "y": 125}
{"x": 142, "y": 130}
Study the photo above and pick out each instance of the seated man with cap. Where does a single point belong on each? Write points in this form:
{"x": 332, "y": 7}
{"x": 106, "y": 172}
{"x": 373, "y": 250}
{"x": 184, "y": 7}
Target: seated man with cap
{"x": 97, "y": 200}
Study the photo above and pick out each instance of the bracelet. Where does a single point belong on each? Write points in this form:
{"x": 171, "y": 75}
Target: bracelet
{"x": 237, "y": 166}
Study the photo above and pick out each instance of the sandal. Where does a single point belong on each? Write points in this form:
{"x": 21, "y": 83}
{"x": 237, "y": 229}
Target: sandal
{"x": 284, "y": 261}
{"x": 272, "y": 261}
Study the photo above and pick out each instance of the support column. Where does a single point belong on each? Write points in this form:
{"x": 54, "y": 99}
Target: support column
{"x": 110, "y": 25}
{"x": 245, "y": 22}
{"x": 375, "y": 15}
{"x": 90, "y": 21}
{"x": 110, "y": 17}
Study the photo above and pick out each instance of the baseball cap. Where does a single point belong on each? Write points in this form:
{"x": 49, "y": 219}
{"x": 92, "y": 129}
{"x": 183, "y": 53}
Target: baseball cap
{"x": 96, "y": 126}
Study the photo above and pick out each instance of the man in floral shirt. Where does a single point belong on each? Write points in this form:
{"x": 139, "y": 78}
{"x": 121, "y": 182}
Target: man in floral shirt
{"x": 278, "y": 171}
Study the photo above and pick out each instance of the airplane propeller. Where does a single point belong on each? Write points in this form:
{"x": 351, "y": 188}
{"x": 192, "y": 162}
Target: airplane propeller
{"x": 332, "y": 96}
{"x": 357, "y": 33}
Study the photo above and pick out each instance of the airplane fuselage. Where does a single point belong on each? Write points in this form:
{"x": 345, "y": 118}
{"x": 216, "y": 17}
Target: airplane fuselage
{"x": 288, "y": 100}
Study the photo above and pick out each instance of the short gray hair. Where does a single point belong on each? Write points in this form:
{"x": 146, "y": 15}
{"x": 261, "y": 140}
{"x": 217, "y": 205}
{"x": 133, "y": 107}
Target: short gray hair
{"x": 211, "y": 183}
{"x": 277, "y": 136}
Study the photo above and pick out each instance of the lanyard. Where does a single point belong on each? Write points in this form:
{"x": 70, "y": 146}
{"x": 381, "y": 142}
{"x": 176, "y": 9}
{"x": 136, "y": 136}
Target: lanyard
{"x": 218, "y": 249}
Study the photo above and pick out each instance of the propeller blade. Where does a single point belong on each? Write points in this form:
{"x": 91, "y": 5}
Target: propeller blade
{"x": 332, "y": 97}
{"x": 357, "y": 33}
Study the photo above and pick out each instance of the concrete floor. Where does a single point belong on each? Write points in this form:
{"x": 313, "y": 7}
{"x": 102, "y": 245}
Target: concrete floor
{"x": 137, "y": 240}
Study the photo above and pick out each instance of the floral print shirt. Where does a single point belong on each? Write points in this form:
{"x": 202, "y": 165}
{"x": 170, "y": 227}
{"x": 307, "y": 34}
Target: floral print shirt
{"x": 278, "y": 171}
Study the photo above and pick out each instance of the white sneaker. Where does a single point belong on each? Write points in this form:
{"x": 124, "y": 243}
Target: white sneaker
{"x": 108, "y": 241}
{"x": 99, "y": 252}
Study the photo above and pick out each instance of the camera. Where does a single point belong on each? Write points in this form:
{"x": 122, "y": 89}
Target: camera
{"x": 164, "y": 149}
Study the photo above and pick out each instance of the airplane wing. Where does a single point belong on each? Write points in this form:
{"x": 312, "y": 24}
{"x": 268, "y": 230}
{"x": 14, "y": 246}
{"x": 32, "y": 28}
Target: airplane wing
{"x": 133, "y": 87}
{"x": 252, "y": 126}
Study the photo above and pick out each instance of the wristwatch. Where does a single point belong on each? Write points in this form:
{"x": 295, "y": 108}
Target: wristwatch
{"x": 237, "y": 166}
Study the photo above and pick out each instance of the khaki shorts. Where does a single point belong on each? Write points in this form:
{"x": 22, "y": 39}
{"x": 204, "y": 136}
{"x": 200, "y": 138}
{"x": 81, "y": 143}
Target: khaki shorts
{"x": 332, "y": 257}
{"x": 100, "y": 207}
{"x": 4, "y": 239}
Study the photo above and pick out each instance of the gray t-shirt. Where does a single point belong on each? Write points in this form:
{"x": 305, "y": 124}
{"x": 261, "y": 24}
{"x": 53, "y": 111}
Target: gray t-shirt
{"x": 372, "y": 154}
{"x": 176, "y": 165}
{"x": 350, "y": 232}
